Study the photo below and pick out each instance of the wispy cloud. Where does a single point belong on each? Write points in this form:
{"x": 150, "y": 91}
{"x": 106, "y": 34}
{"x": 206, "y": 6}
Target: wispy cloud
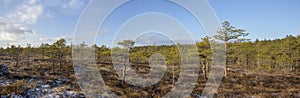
{"x": 52, "y": 39}
{"x": 33, "y": 1}
{"x": 14, "y": 32}
{"x": 160, "y": 39}
{"x": 27, "y": 14}
{"x": 14, "y": 25}
{"x": 153, "y": 39}
{"x": 104, "y": 32}
{"x": 73, "y": 4}
{"x": 18, "y": 17}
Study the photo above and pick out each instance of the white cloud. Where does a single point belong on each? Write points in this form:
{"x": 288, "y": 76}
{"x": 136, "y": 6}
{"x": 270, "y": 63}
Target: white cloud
{"x": 52, "y": 39}
{"x": 13, "y": 25}
{"x": 49, "y": 14}
{"x": 14, "y": 32}
{"x": 16, "y": 16}
{"x": 27, "y": 14}
{"x": 33, "y": 1}
{"x": 73, "y": 4}
{"x": 104, "y": 32}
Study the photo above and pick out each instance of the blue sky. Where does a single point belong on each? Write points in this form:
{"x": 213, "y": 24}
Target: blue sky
{"x": 263, "y": 19}
{"x": 37, "y": 21}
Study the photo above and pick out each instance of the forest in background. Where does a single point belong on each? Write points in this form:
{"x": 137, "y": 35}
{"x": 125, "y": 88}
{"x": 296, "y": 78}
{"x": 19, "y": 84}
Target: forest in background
{"x": 53, "y": 62}
{"x": 270, "y": 54}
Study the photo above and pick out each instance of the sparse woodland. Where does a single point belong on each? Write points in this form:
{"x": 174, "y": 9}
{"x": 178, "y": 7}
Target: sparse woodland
{"x": 53, "y": 61}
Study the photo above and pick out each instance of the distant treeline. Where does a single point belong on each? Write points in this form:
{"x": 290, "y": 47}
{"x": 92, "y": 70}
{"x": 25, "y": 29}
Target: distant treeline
{"x": 279, "y": 53}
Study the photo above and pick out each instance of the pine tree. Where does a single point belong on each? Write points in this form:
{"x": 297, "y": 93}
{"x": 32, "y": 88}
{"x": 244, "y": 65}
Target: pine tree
{"x": 127, "y": 45}
{"x": 229, "y": 33}
{"x": 16, "y": 53}
{"x": 27, "y": 53}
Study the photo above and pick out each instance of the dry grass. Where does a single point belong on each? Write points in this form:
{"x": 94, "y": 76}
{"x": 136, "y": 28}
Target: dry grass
{"x": 242, "y": 83}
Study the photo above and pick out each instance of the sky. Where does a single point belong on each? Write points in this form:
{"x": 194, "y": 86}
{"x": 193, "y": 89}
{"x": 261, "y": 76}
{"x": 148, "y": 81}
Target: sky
{"x": 263, "y": 19}
{"x": 45, "y": 21}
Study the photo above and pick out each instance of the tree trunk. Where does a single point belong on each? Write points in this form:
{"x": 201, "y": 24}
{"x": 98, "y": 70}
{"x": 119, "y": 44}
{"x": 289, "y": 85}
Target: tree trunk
{"x": 43, "y": 55}
{"x": 225, "y": 70}
{"x": 206, "y": 68}
{"x": 27, "y": 60}
{"x": 98, "y": 58}
{"x": 202, "y": 65}
{"x": 173, "y": 74}
{"x": 258, "y": 62}
{"x": 124, "y": 74}
{"x": 52, "y": 65}
{"x": 124, "y": 70}
{"x": 17, "y": 63}
{"x": 60, "y": 60}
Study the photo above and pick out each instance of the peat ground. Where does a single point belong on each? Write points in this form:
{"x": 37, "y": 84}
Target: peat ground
{"x": 40, "y": 80}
